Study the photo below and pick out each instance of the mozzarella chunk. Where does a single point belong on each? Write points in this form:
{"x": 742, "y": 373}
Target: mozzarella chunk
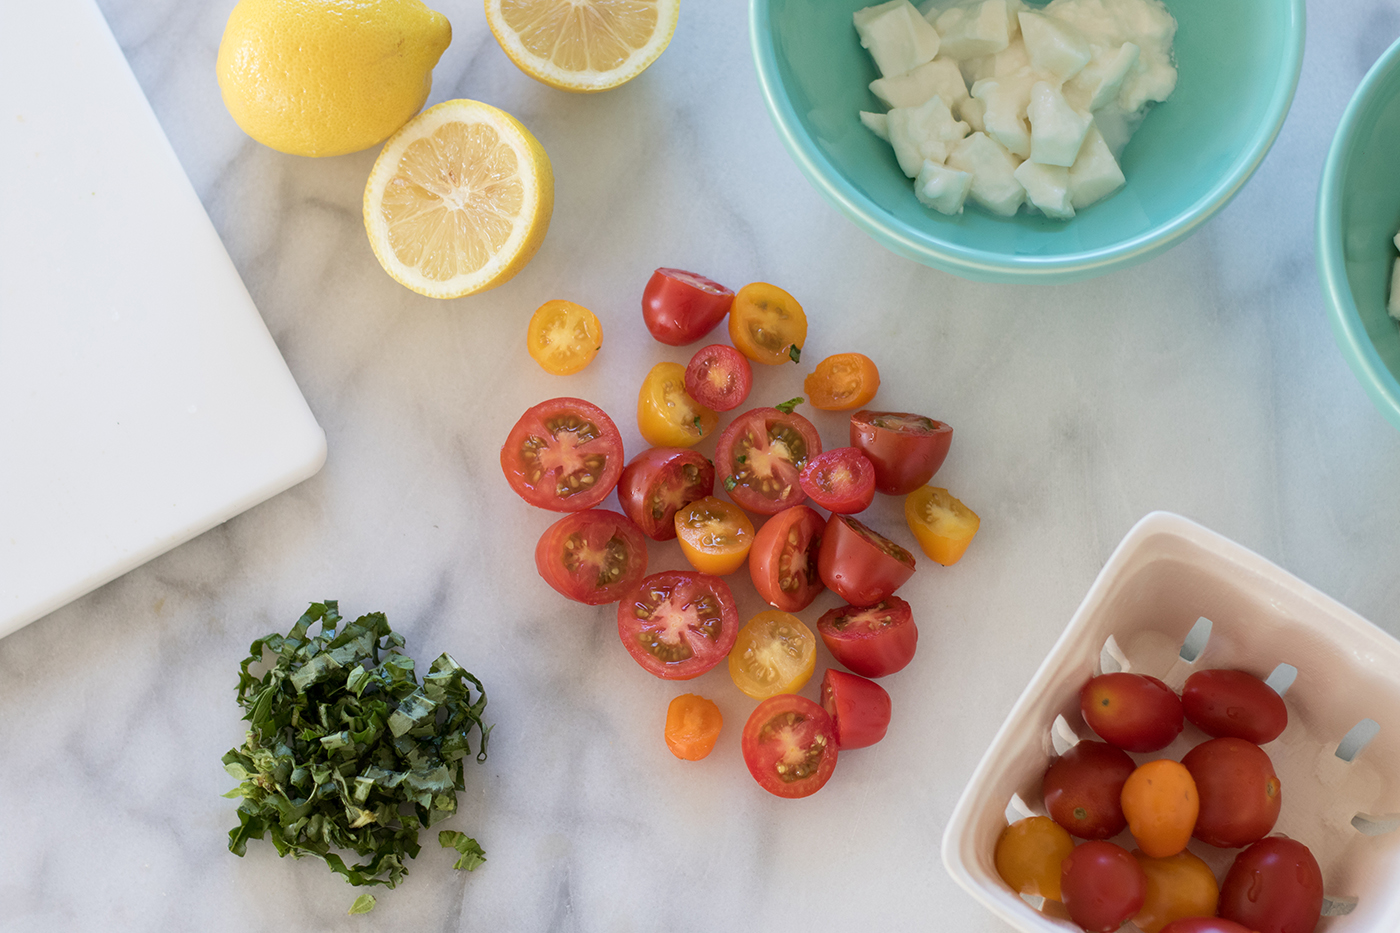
{"x": 1006, "y": 101}
{"x": 1101, "y": 81}
{"x": 1095, "y": 174}
{"x": 1055, "y": 48}
{"x": 923, "y": 133}
{"x": 898, "y": 38}
{"x": 1047, "y": 187}
{"x": 877, "y": 123}
{"x": 1057, "y": 130}
{"x": 940, "y": 76}
{"x": 943, "y": 189}
{"x": 974, "y": 29}
{"x": 993, "y": 170}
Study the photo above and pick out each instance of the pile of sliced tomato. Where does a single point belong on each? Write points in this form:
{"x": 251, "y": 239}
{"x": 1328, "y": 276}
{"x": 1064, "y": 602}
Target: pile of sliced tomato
{"x": 566, "y": 454}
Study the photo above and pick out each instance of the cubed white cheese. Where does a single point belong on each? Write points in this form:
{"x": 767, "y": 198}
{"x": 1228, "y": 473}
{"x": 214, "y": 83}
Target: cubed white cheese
{"x": 897, "y": 37}
{"x": 974, "y": 29}
{"x": 1006, "y": 99}
{"x": 1394, "y": 305}
{"x": 971, "y": 111}
{"x": 940, "y": 76}
{"x": 943, "y": 189}
{"x": 1047, "y": 187}
{"x": 877, "y": 123}
{"x": 1057, "y": 130}
{"x": 923, "y": 133}
{"x": 993, "y": 170}
{"x": 1095, "y": 174}
{"x": 1102, "y": 79}
{"x": 1055, "y": 48}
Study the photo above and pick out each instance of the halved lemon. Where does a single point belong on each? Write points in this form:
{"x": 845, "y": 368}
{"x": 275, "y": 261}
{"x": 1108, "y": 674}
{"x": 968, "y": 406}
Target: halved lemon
{"x": 583, "y": 45}
{"x": 459, "y": 200}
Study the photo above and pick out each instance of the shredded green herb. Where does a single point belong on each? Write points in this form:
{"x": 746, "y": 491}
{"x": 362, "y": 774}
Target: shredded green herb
{"x": 363, "y": 904}
{"x": 347, "y": 750}
{"x": 795, "y": 353}
{"x": 787, "y": 407}
{"x": 730, "y": 483}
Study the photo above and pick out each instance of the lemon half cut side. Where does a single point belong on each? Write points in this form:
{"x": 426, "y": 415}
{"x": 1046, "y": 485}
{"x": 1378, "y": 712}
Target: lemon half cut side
{"x": 459, "y": 200}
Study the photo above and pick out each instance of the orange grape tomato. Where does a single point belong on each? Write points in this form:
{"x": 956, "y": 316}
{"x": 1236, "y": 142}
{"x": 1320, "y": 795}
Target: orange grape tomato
{"x": 563, "y": 337}
{"x": 692, "y": 726}
{"x": 842, "y": 382}
{"x": 715, "y": 535}
{"x": 1180, "y": 885}
{"x": 775, "y": 653}
{"x": 942, "y": 525}
{"x": 1161, "y": 804}
{"x": 767, "y": 325}
{"x": 1029, "y": 854}
{"x": 666, "y": 414}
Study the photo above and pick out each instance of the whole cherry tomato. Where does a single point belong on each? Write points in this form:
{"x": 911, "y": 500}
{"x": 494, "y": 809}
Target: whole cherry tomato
{"x": 719, "y": 377}
{"x": 1240, "y": 793}
{"x": 677, "y": 624}
{"x": 1160, "y": 802}
{"x": 783, "y": 560}
{"x": 666, "y": 414}
{"x": 1084, "y": 789}
{"x": 680, "y": 307}
{"x": 872, "y": 641}
{"x": 1180, "y": 885}
{"x": 775, "y": 653}
{"x": 859, "y": 707}
{"x": 906, "y": 449}
{"x": 942, "y": 525}
{"x": 692, "y": 726}
{"x": 1134, "y": 712}
{"x": 659, "y": 481}
{"x": 862, "y": 566}
{"x": 1204, "y": 925}
{"x": 789, "y": 745}
{"x": 1274, "y": 886}
{"x": 594, "y": 556}
{"x": 715, "y": 535}
{"x": 842, "y": 382}
{"x": 563, "y": 337}
{"x": 759, "y": 456}
{"x": 840, "y": 480}
{"x": 1102, "y": 886}
{"x": 1234, "y": 703}
{"x": 1029, "y": 854}
{"x": 564, "y": 454}
{"x": 767, "y": 325}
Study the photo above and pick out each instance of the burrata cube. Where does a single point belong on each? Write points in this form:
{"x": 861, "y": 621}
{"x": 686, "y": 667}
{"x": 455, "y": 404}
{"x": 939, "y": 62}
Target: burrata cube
{"x": 940, "y": 76}
{"x": 877, "y": 123}
{"x": 1055, "y": 48}
{"x": 993, "y": 171}
{"x": 897, "y": 37}
{"x": 974, "y": 29}
{"x": 1006, "y": 99}
{"x": 1095, "y": 173}
{"x": 1047, "y": 187}
{"x": 923, "y": 133}
{"x": 1057, "y": 129}
{"x": 943, "y": 189}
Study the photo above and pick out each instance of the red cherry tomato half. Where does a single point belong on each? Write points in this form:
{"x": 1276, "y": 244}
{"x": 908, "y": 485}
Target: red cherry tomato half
{"x": 1134, "y": 712}
{"x": 594, "y": 556}
{"x": 564, "y": 454}
{"x": 874, "y": 641}
{"x": 789, "y": 744}
{"x": 1240, "y": 793}
{"x": 859, "y": 707}
{"x": 1274, "y": 886}
{"x": 906, "y": 449}
{"x": 661, "y": 481}
{"x": 678, "y": 624}
{"x": 860, "y": 565}
{"x": 783, "y": 559}
{"x": 1204, "y": 925}
{"x": 719, "y": 377}
{"x": 840, "y": 480}
{"x": 1234, "y": 703}
{"x": 1084, "y": 790}
{"x": 759, "y": 456}
{"x": 1102, "y": 886}
{"x": 680, "y": 307}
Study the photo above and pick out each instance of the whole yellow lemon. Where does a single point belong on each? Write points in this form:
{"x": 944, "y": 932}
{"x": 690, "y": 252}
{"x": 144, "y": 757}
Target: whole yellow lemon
{"x": 327, "y": 77}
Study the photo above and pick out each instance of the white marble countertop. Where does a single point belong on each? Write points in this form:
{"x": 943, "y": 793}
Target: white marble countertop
{"x": 1204, "y": 382}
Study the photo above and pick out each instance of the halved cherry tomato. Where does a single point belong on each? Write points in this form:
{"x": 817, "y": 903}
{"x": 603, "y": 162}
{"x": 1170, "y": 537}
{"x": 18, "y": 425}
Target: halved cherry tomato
{"x": 680, "y": 307}
{"x": 563, "y": 337}
{"x": 1102, "y": 886}
{"x": 1240, "y": 793}
{"x": 564, "y": 454}
{"x": 666, "y": 414}
{"x": 1161, "y": 803}
{"x": 942, "y": 525}
{"x": 715, "y": 535}
{"x": 1135, "y": 712}
{"x": 594, "y": 556}
{"x": 760, "y": 455}
{"x": 872, "y": 641}
{"x": 1204, "y": 925}
{"x": 789, "y": 745}
{"x": 1180, "y": 885}
{"x": 840, "y": 480}
{"x": 659, "y": 481}
{"x": 719, "y": 377}
{"x": 1234, "y": 703}
{"x": 859, "y": 707}
{"x": 783, "y": 562}
{"x": 906, "y": 449}
{"x": 862, "y": 566}
{"x": 677, "y": 624}
{"x": 774, "y": 653}
{"x": 1274, "y": 886}
{"x": 1029, "y": 854}
{"x": 767, "y": 325}
{"x": 842, "y": 382}
{"x": 692, "y": 726}
{"x": 1084, "y": 789}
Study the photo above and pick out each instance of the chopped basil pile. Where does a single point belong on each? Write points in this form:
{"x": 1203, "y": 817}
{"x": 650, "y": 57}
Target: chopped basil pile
{"x": 348, "y": 751}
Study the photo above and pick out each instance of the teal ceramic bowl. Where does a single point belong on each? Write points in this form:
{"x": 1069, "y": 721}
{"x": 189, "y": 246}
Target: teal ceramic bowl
{"x": 1238, "y": 62}
{"x": 1358, "y": 212}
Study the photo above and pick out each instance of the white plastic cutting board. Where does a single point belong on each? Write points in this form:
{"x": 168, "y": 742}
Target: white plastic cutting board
{"x": 142, "y": 400}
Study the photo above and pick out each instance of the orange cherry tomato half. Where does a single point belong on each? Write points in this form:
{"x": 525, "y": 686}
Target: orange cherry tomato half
{"x": 783, "y": 562}
{"x": 767, "y": 325}
{"x": 1180, "y": 885}
{"x": 1161, "y": 804}
{"x": 942, "y": 525}
{"x": 715, "y": 535}
{"x": 692, "y": 726}
{"x": 774, "y": 653}
{"x": 666, "y": 414}
{"x": 563, "y": 337}
{"x": 842, "y": 382}
{"x": 1029, "y": 854}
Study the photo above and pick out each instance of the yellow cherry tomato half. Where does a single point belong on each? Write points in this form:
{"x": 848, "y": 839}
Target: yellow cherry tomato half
{"x": 1161, "y": 803}
{"x": 666, "y": 414}
{"x": 775, "y": 653}
{"x": 842, "y": 382}
{"x": 563, "y": 337}
{"x": 1029, "y": 853}
{"x": 715, "y": 535}
{"x": 942, "y": 525}
{"x": 692, "y": 726}
{"x": 766, "y": 324}
{"x": 1180, "y": 885}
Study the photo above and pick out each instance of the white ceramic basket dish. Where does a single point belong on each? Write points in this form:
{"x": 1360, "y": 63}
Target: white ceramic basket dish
{"x": 1338, "y": 761}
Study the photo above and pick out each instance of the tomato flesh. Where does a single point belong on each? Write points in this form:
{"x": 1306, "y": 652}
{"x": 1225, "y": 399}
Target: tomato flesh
{"x": 1240, "y": 794}
{"x": 678, "y": 624}
{"x": 593, "y": 557}
{"x": 693, "y": 724}
{"x": 767, "y": 325}
{"x": 1274, "y": 886}
{"x": 942, "y": 525}
{"x": 719, "y": 377}
{"x": 666, "y": 414}
{"x": 789, "y": 746}
{"x": 859, "y": 707}
{"x": 906, "y": 449}
{"x": 774, "y": 653}
{"x": 1029, "y": 854}
{"x": 783, "y": 561}
{"x": 842, "y": 382}
{"x": 840, "y": 480}
{"x": 715, "y": 535}
{"x": 1102, "y": 886}
{"x": 1084, "y": 789}
{"x": 563, "y": 337}
{"x": 873, "y": 641}
{"x": 680, "y": 307}
{"x": 1234, "y": 703}
{"x": 564, "y": 454}
{"x": 760, "y": 455}
{"x": 658, "y": 482}
{"x": 1135, "y": 712}
{"x": 861, "y": 566}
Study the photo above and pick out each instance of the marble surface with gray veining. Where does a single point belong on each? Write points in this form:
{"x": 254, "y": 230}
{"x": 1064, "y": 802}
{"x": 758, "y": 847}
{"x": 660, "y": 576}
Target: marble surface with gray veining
{"x": 1204, "y": 382}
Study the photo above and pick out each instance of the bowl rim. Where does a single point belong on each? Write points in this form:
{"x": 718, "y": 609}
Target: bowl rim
{"x": 1347, "y": 329}
{"x": 984, "y": 265}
